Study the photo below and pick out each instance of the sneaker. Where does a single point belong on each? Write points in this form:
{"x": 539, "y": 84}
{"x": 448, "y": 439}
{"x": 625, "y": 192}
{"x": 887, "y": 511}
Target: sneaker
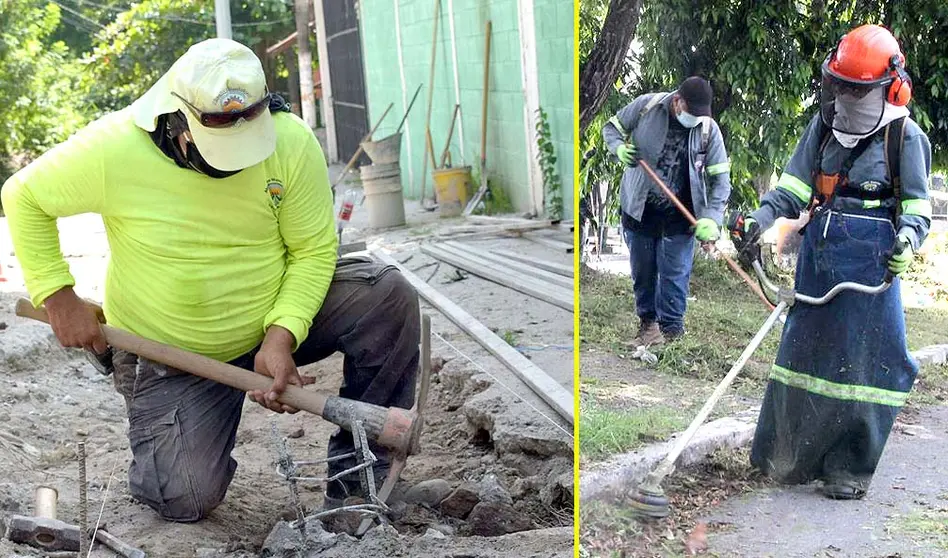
{"x": 648, "y": 335}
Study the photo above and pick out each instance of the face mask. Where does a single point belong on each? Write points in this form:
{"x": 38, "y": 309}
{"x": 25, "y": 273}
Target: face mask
{"x": 197, "y": 162}
{"x": 687, "y": 120}
{"x": 859, "y": 116}
{"x": 177, "y": 125}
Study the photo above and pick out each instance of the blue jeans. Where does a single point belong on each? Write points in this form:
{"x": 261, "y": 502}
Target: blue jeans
{"x": 661, "y": 269}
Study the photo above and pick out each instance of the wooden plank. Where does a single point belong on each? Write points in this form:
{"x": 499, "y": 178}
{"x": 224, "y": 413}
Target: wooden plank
{"x": 495, "y": 228}
{"x": 554, "y": 394}
{"x": 552, "y": 243}
{"x": 546, "y": 292}
{"x": 499, "y": 219}
{"x": 564, "y": 270}
{"x": 556, "y": 279}
{"x": 352, "y": 247}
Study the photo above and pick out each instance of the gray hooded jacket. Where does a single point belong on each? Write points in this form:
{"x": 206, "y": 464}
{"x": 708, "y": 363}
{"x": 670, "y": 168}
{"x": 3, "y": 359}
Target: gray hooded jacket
{"x": 710, "y": 184}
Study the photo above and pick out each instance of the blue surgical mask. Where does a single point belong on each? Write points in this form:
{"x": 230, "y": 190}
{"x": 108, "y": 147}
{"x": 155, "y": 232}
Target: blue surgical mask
{"x": 688, "y": 120}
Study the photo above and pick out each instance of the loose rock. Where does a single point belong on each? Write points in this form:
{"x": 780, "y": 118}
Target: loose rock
{"x": 490, "y": 490}
{"x": 460, "y": 502}
{"x": 490, "y": 519}
{"x": 429, "y": 492}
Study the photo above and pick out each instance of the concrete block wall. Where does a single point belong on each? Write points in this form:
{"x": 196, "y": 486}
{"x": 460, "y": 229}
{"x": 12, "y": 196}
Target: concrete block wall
{"x": 508, "y": 158}
{"x": 555, "y": 55}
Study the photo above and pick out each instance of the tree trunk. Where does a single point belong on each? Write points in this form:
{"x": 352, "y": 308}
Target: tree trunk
{"x": 293, "y": 81}
{"x": 307, "y": 98}
{"x": 761, "y": 182}
{"x": 599, "y": 73}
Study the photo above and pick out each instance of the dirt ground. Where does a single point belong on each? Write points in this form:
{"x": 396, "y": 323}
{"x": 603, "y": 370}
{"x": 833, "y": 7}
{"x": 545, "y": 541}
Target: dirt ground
{"x": 482, "y": 422}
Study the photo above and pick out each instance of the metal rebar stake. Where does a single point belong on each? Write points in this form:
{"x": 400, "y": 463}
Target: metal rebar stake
{"x": 289, "y": 468}
{"x": 84, "y": 541}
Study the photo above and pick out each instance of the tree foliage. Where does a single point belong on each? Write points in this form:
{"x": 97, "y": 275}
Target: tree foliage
{"x": 763, "y": 60}
{"x": 141, "y": 43}
{"x": 602, "y": 64}
{"x": 38, "y": 82}
{"x": 65, "y": 62}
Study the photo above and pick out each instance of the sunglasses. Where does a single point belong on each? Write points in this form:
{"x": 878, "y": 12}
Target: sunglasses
{"x": 226, "y": 119}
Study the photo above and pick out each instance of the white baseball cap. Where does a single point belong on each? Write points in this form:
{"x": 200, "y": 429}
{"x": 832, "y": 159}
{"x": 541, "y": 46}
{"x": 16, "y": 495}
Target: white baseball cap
{"x": 215, "y": 76}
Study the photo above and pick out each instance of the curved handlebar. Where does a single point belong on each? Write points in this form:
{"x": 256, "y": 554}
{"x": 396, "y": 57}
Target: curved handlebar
{"x": 831, "y": 294}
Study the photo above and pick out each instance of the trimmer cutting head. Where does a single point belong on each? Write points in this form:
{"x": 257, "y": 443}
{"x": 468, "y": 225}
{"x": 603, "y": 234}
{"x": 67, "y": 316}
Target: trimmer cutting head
{"x": 649, "y": 501}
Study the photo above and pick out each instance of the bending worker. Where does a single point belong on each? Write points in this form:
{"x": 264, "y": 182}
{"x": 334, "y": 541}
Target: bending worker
{"x": 843, "y": 370}
{"x": 219, "y": 217}
{"x": 675, "y": 134}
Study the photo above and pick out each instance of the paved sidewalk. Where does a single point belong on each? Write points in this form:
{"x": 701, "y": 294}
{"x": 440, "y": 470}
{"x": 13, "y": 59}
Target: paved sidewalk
{"x": 904, "y": 515}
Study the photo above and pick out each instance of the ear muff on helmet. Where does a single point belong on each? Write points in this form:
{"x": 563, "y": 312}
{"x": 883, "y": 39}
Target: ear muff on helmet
{"x": 900, "y": 90}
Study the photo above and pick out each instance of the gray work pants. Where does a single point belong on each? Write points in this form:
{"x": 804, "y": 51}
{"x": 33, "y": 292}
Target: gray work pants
{"x": 182, "y": 428}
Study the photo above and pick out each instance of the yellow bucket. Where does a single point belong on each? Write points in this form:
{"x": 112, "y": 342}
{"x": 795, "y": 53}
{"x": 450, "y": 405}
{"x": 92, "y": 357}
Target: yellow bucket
{"x": 451, "y": 188}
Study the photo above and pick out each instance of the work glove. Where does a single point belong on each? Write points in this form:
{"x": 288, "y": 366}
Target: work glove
{"x": 627, "y": 153}
{"x": 901, "y": 257}
{"x": 706, "y": 230}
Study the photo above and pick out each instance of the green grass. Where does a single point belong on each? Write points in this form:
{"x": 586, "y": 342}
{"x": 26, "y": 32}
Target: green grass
{"x": 605, "y": 432}
{"x": 931, "y": 388}
{"x": 929, "y": 527}
{"x": 926, "y": 326}
{"x": 511, "y": 336}
{"x": 720, "y": 323}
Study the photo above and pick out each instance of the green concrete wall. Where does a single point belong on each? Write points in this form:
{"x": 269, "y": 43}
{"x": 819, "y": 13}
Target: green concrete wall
{"x": 555, "y": 54}
{"x": 507, "y": 155}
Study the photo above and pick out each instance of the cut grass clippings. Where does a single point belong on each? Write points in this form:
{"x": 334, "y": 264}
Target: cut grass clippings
{"x": 605, "y": 432}
{"x": 610, "y": 528}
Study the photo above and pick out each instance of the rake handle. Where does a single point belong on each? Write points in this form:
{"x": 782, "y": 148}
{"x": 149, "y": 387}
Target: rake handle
{"x": 691, "y": 219}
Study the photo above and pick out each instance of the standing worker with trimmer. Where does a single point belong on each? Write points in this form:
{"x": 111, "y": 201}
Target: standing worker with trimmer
{"x": 843, "y": 370}
{"x": 674, "y": 133}
{"x": 219, "y": 216}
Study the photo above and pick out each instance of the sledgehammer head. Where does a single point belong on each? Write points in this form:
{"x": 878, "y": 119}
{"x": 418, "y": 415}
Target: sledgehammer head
{"x": 42, "y": 532}
{"x": 391, "y": 427}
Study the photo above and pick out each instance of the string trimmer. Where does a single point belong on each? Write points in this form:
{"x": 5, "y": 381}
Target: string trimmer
{"x": 649, "y": 500}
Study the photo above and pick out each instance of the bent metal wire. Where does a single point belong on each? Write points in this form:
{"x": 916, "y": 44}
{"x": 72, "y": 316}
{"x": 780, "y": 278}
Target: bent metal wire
{"x": 292, "y": 472}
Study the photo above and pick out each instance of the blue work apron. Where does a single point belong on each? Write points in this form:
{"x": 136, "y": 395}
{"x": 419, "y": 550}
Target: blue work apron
{"x": 843, "y": 370}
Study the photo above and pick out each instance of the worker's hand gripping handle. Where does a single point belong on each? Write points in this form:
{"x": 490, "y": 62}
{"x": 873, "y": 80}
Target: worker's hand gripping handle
{"x": 898, "y": 248}
{"x": 390, "y": 427}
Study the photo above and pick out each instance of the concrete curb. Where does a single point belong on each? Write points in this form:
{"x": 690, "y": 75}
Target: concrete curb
{"x": 625, "y": 471}
{"x": 935, "y": 354}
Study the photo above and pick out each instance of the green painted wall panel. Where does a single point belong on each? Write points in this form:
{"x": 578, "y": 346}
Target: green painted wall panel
{"x": 554, "y": 28}
{"x": 507, "y": 152}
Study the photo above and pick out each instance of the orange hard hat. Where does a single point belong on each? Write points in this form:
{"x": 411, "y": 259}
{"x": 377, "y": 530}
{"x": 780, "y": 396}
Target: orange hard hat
{"x": 870, "y": 55}
{"x": 865, "y": 54}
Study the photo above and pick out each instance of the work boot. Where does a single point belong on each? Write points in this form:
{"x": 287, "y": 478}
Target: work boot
{"x": 673, "y": 334}
{"x": 649, "y": 335}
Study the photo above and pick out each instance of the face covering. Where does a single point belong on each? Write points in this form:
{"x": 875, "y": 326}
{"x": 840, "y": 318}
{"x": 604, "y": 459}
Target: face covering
{"x": 190, "y": 157}
{"x": 686, "y": 119}
{"x": 864, "y": 116}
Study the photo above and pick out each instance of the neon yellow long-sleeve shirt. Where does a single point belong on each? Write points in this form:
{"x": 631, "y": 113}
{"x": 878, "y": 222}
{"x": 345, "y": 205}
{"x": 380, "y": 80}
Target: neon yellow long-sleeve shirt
{"x": 203, "y": 264}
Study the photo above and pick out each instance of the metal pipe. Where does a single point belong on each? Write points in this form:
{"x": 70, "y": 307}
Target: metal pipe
{"x": 668, "y": 464}
{"x": 830, "y": 295}
{"x": 46, "y": 498}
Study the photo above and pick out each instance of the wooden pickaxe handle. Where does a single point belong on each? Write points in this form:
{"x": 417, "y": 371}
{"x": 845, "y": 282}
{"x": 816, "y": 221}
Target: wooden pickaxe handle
{"x": 691, "y": 219}
{"x": 390, "y": 427}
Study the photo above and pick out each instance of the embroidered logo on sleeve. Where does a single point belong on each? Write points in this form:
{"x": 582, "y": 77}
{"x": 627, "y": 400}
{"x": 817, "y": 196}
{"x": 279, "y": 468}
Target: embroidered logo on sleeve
{"x": 275, "y": 191}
